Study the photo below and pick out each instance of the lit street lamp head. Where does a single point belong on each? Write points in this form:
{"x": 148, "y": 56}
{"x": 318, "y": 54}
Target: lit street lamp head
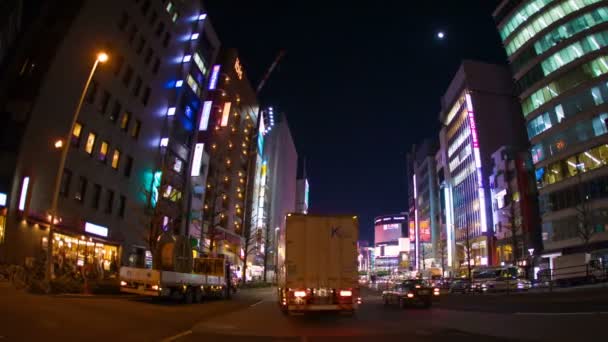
{"x": 102, "y": 57}
{"x": 59, "y": 143}
{"x": 440, "y": 35}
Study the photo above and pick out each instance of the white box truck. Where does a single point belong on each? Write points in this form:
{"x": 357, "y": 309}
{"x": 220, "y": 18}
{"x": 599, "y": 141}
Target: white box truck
{"x": 207, "y": 279}
{"x": 317, "y": 266}
{"x": 577, "y": 268}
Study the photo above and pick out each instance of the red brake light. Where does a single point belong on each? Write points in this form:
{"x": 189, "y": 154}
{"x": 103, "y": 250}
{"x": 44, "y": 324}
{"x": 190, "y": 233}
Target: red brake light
{"x": 410, "y": 295}
{"x": 346, "y": 293}
{"x": 299, "y": 294}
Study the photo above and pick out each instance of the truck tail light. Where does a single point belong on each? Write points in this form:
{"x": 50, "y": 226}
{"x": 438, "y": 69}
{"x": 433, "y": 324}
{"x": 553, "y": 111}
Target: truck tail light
{"x": 299, "y": 294}
{"x": 436, "y": 292}
{"x": 346, "y": 293}
{"x": 410, "y": 295}
{"x": 123, "y": 283}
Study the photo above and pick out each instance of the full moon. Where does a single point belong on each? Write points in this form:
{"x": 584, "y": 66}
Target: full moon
{"x": 440, "y": 35}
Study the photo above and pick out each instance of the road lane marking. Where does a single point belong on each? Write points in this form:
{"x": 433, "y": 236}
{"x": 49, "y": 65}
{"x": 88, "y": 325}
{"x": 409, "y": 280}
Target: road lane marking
{"x": 178, "y": 336}
{"x": 561, "y": 313}
{"x": 254, "y": 304}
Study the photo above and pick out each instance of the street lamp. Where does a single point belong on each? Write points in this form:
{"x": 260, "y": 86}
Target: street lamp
{"x": 101, "y": 57}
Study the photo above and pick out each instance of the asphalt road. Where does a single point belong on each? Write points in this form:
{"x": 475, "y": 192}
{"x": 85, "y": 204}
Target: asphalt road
{"x": 254, "y": 316}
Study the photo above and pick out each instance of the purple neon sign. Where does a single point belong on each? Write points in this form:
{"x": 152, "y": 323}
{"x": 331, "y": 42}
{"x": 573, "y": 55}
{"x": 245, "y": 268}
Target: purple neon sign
{"x": 214, "y": 76}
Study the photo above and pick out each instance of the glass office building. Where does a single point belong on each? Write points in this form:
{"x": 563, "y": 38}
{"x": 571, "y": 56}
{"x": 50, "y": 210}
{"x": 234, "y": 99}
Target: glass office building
{"x": 559, "y": 58}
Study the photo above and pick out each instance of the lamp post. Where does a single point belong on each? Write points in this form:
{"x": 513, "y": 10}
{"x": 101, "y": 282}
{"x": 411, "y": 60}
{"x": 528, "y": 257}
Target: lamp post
{"x": 102, "y": 57}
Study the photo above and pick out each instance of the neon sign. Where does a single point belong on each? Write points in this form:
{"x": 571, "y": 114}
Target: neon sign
{"x": 214, "y": 76}
{"x": 197, "y": 159}
{"x": 205, "y": 116}
{"x": 238, "y": 68}
{"x": 226, "y": 114}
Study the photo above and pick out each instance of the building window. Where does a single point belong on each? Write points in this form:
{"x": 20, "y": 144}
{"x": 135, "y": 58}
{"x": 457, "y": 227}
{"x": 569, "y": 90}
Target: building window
{"x": 135, "y": 129}
{"x": 92, "y": 92}
{"x": 90, "y": 143}
{"x": 146, "y": 96}
{"x": 175, "y": 16}
{"x": 66, "y": 179}
{"x": 132, "y": 33}
{"x": 116, "y": 159}
{"x": 140, "y": 45}
{"x": 109, "y": 201}
{"x": 137, "y": 87}
{"x": 160, "y": 28}
{"x": 96, "y": 196}
{"x": 124, "y": 20}
{"x": 148, "y": 57}
{"x": 81, "y": 189}
{"x": 120, "y": 60}
{"x": 156, "y": 66}
{"x": 76, "y": 134}
{"x": 128, "y": 76}
{"x": 166, "y": 39}
{"x": 124, "y": 122}
{"x": 115, "y": 111}
{"x": 128, "y": 166}
{"x": 103, "y": 151}
{"x": 105, "y": 102}
{"x": 122, "y": 204}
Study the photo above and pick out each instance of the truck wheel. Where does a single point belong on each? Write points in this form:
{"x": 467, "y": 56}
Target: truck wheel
{"x": 188, "y": 296}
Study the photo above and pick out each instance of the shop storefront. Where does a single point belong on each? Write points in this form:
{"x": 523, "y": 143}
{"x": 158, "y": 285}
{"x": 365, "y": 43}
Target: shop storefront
{"x": 73, "y": 254}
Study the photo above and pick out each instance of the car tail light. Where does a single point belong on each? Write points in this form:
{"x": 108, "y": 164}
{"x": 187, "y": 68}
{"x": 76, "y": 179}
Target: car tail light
{"x": 299, "y": 294}
{"x": 123, "y": 283}
{"x": 417, "y": 286}
{"x": 155, "y": 287}
{"x": 410, "y": 295}
{"x": 436, "y": 292}
{"x": 359, "y": 301}
{"x": 346, "y": 293}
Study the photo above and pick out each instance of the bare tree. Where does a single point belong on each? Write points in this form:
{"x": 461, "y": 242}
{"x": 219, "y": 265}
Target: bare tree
{"x": 250, "y": 247}
{"x": 584, "y": 215}
{"x": 514, "y": 229}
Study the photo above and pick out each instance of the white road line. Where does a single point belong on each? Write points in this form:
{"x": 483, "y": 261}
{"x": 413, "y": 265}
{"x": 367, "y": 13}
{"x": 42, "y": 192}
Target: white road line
{"x": 254, "y": 304}
{"x": 560, "y": 313}
{"x": 178, "y": 336}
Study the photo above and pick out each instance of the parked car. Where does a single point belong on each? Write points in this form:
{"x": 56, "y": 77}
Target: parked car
{"x": 460, "y": 286}
{"x": 504, "y": 278}
{"x": 410, "y": 292}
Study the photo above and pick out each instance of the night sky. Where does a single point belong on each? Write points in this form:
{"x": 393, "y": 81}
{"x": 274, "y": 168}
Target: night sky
{"x": 359, "y": 84}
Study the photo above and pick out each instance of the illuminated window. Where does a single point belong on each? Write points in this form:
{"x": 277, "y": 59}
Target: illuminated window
{"x": 124, "y": 121}
{"x": 558, "y": 34}
{"x": 169, "y": 7}
{"x": 103, "y": 151}
{"x": 115, "y": 159}
{"x": 521, "y": 15}
{"x": 193, "y": 85}
{"x": 199, "y": 63}
{"x": 76, "y": 134}
{"x": 569, "y": 80}
{"x": 545, "y": 20}
{"x": 90, "y": 143}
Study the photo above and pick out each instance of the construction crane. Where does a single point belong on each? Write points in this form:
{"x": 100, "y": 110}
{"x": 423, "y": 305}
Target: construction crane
{"x": 270, "y": 70}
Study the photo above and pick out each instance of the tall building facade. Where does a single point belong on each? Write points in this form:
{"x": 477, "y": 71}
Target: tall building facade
{"x": 282, "y": 160}
{"x": 423, "y": 204}
{"x": 392, "y": 244}
{"x": 514, "y": 207}
{"x": 226, "y": 133}
{"x": 127, "y": 175}
{"x": 480, "y": 114}
{"x": 558, "y": 55}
